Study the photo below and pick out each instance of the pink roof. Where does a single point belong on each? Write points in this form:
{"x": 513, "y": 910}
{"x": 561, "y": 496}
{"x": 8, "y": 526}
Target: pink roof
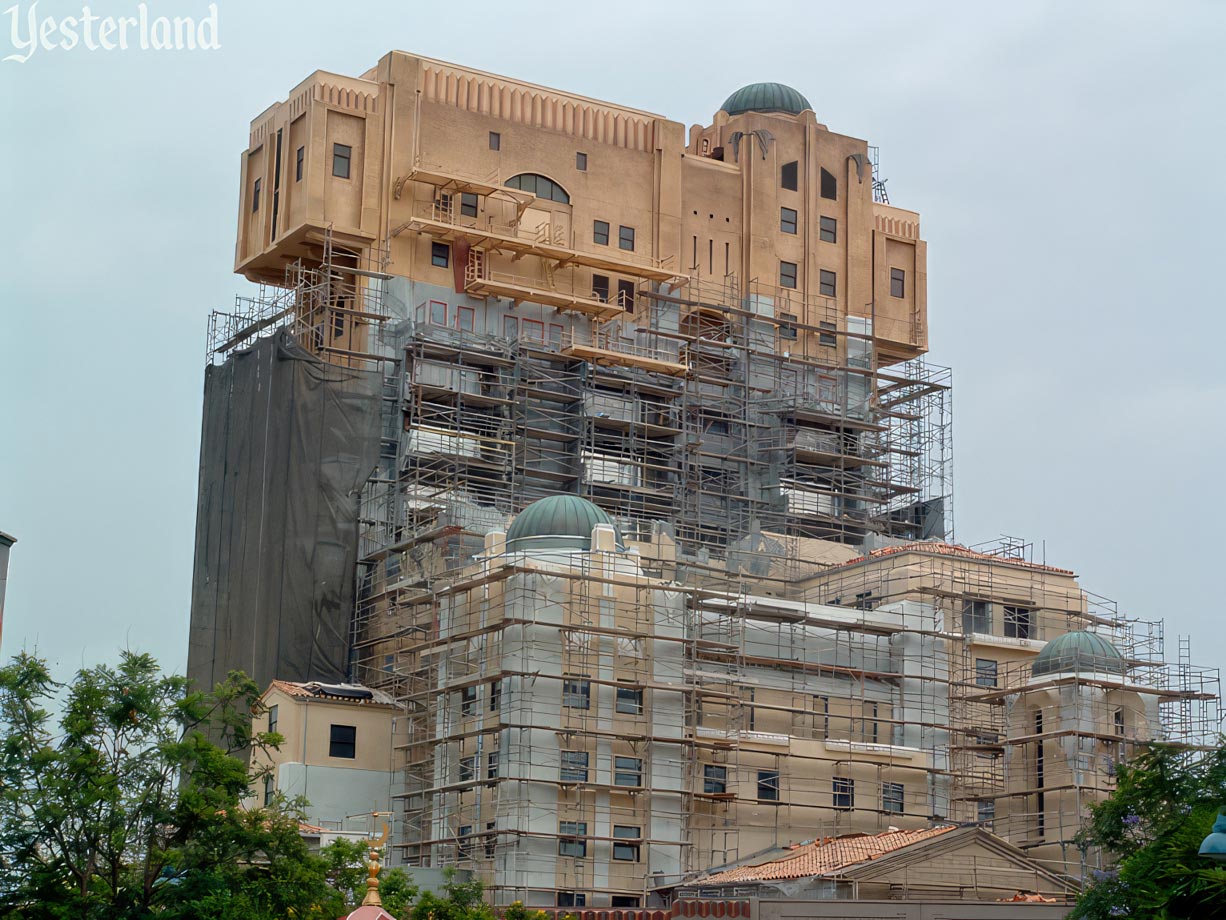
{"x": 369, "y": 912}
{"x": 824, "y": 856}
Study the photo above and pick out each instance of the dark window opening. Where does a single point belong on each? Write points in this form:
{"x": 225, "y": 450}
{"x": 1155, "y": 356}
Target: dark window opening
{"x": 576, "y": 693}
{"x": 440, "y": 255}
{"x": 787, "y": 274}
{"x": 985, "y": 672}
{"x": 892, "y": 798}
{"x": 830, "y": 186}
{"x": 898, "y": 282}
{"x": 570, "y": 844}
{"x": 540, "y": 186}
{"x": 829, "y": 230}
{"x": 787, "y": 328}
{"x": 491, "y": 765}
{"x": 789, "y": 176}
{"x": 843, "y": 792}
{"x": 625, "y": 294}
{"x": 468, "y": 768}
{"x": 714, "y": 779}
{"x": 625, "y": 238}
{"x": 468, "y": 701}
{"x": 1019, "y": 623}
{"x": 300, "y": 158}
{"x": 629, "y": 700}
{"x": 571, "y": 898}
{"x": 626, "y": 842}
{"x": 341, "y": 154}
{"x": 468, "y": 204}
{"x": 343, "y": 741}
{"x": 574, "y": 767}
{"x": 600, "y": 288}
{"x": 826, "y": 283}
{"x": 600, "y": 232}
{"x": 272, "y": 718}
{"x": 768, "y": 785}
{"x": 827, "y": 338}
{"x": 495, "y": 695}
{"x": 976, "y": 617}
{"x": 627, "y": 771}
{"x": 270, "y": 789}
{"x": 255, "y": 196}
{"x": 581, "y": 162}
{"x": 625, "y": 900}
{"x": 787, "y": 220}
{"x": 495, "y": 140}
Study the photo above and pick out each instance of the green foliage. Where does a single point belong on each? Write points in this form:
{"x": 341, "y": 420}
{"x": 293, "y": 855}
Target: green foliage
{"x": 517, "y": 911}
{"x": 1163, "y": 806}
{"x": 346, "y": 862}
{"x": 460, "y": 901}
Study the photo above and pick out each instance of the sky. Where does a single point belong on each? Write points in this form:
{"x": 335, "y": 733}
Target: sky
{"x": 1066, "y": 159}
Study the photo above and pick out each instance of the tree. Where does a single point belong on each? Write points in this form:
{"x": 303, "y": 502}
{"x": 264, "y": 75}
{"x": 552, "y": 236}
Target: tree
{"x": 131, "y": 805}
{"x": 1163, "y": 806}
{"x": 347, "y": 873}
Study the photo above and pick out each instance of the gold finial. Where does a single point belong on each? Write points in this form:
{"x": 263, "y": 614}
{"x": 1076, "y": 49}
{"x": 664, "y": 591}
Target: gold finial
{"x": 372, "y": 882}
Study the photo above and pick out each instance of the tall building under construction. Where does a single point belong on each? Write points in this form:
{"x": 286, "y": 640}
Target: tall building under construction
{"x": 607, "y": 448}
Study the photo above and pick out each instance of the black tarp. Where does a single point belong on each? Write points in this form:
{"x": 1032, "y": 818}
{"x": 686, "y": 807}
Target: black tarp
{"x": 287, "y": 442}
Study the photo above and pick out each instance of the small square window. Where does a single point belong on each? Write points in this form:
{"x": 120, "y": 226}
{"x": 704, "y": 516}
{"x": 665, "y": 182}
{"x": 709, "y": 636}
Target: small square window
{"x": 600, "y": 232}
{"x": 342, "y": 741}
{"x": 440, "y": 255}
{"x": 787, "y": 326}
{"x": 714, "y": 779}
{"x": 625, "y": 294}
{"x": 1019, "y": 623}
{"x": 341, "y": 154}
{"x": 788, "y": 176}
{"x": 625, "y": 238}
{"x": 438, "y": 313}
{"x": 844, "y": 792}
{"x": 581, "y": 162}
{"x": 787, "y": 220}
{"x": 768, "y": 785}
{"x": 985, "y": 672}
{"x": 898, "y": 282}
{"x": 573, "y": 767}
{"x": 495, "y": 140}
{"x": 468, "y": 204}
{"x": 299, "y": 159}
{"x": 255, "y": 196}
{"x": 600, "y": 288}
{"x": 627, "y": 771}
{"x": 465, "y": 319}
{"x": 629, "y": 700}
{"x": 826, "y": 283}
{"x": 626, "y": 842}
{"x": 532, "y": 330}
{"x": 569, "y": 842}
{"x": 829, "y": 230}
{"x": 892, "y": 798}
{"x": 827, "y": 338}
{"x": 577, "y": 693}
{"x": 787, "y": 274}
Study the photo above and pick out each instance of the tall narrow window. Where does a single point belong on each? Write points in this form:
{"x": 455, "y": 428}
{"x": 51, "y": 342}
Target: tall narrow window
{"x": 768, "y": 785}
{"x": 787, "y": 274}
{"x": 495, "y": 140}
{"x": 255, "y": 196}
{"x": 626, "y": 842}
{"x": 985, "y": 672}
{"x": 830, "y": 185}
{"x": 1118, "y": 718}
{"x": 491, "y": 765}
{"x": 787, "y": 325}
{"x": 270, "y": 789}
{"x": 600, "y": 287}
{"x": 343, "y": 741}
{"x": 440, "y": 255}
{"x": 341, "y": 154}
{"x": 581, "y": 162}
{"x": 625, "y": 238}
{"x": 495, "y": 695}
{"x": 272, "y": 718}
{"x": 789, "y": 176}
{"x": 468, "y": 768}
{"x": 826, "y": 283}
{"x": 299, "y": 158}
{"x": 714, "y": 779}
{"x": 600, "y": 232}
{"x": 827, "y": 338}
{"x": 468, "y": 204}
{"x": 892, "y": 798}
{"x": 465, "y": 319}
{"x": 787, "y": 220}
{"x": 625, "y": 294}
{"x": 843, "y": 792}
{"x": 829, "y": 230}
{"x": 898, "y": 282}
{"x": 468, "y": 701}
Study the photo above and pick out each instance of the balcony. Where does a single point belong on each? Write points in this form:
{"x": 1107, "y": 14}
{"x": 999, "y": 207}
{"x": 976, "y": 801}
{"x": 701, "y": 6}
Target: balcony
{"x": 482, "y": 282}
{"x": 606, "y": 348}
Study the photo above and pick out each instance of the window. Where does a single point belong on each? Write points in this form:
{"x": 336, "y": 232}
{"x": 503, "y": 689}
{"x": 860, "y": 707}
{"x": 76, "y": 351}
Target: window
{"x": 625, "y": 238}
{"x": 625, "y": 900}
{"x": 829, "y": 230}
{"x": 440, "y": 255}
{"x": 540, "y": 186}
{"x": 270, "y": 789}
{"x": 629, "y": 700}
{"x": 976, "y": 617}
{"x": 495, "y": 140}
{"x": 343, "y": 741}
{"x": 768, "y": 785}
{"x": 787, "y": 274}
{"x": 623, "y": 847}
{"x": 468, "y": 204}
{"x": 1019, "y": 623}
{"x": 574, "y": 767}
{"x": 844, "y": 792}
{"x": 532, "y": 330}
{"x": 495, "y": 695}
{"x": 898, "y": 282}
{"x": 627, "y": 771}
{"x": 891, "y": 798}
{"x": 299, "y": 159}
{"x": 491, "y": 840}
{"x": 827, "y": 338}
{"x": 468, "y": 769}
{"x": 987, "y": 812}
{"x": 1118, "y": 719}
{"x": 255, "y": 196}
{"x": 465, "y": 319}
{"x": 438, "y": 313}
{"x": 600, "y": 232}
{"x": 491, "y": 765}
{"x": 555, "y": 334}
{"x": 569, "y": 842}
{"x": 338, "y": 324}
{"x": 985, "y": 672}
{"x": 571, "y": 899}
{"x": 600, "y": 287}
{"x": 826, "y": 283}
{"x": 272, "y": 718}
{"x": 714, "y": 779}
{"x": 789, "y": 176}
{"x": 468, "y": 700}
{"x": 625, "y": 294}
{"x": 510, "y": 326}
{"x": 787, "y": 220}
{"x": 581, "y": 162}
{"x": 463, "y": 844}
{"x": 340, "y": 160}
{"x": 787, "y": 328}
{"x": 830, "y": 186}
{"x": 576, "y": 693}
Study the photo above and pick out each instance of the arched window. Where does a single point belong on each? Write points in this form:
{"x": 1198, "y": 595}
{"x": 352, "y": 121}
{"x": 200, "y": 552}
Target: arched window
{"x": 540, "y": 186}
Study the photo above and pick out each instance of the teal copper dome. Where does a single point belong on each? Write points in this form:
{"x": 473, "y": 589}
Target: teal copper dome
{"x": 1078, "y": 651}
{"x": 559, "y": 522}
{"x": 765, "y": 97}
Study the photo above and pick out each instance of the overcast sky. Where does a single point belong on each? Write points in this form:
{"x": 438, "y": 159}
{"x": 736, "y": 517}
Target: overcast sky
{"x": 1066, "y": 159}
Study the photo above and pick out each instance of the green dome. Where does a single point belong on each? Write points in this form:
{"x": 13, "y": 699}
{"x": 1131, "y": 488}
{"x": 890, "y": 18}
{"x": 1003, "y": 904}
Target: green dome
{"x": 559, "y": 522}
{"x": 765, "y": 97}
{"x": 1078, "y": 651}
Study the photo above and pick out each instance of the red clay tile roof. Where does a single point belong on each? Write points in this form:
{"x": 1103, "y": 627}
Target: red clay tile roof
{"x": 1031, "y": 898}
{"x": 824, "y": 856}
{"x": 952, "y": 549}
{"x": 316, "y": 691}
